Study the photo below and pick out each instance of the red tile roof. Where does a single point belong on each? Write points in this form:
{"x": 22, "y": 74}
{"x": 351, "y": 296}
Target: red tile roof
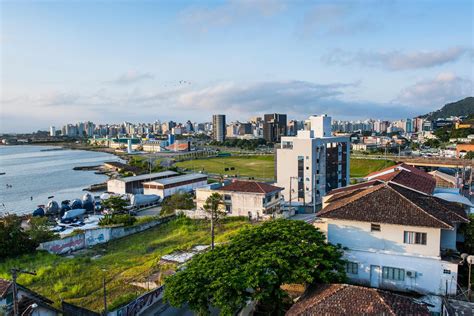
{"x": 250, "y": 187}
{"x": 343, "y": 299}
{"x": 4, "y": 286}
{"x": 391, "y": 203}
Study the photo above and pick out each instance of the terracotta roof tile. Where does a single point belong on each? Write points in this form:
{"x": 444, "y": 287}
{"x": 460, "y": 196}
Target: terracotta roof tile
{"x": 343, "y": 299}
{"x": 4, "y": 286}
{"x": 392, "y": 204}
{"x": 250, "y": 187}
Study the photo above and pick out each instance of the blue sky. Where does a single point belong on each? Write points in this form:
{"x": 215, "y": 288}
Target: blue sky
{"x": 110, "y": 61}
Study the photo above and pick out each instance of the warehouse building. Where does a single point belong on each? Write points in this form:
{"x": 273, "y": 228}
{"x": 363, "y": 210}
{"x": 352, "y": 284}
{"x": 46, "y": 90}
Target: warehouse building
{"x": 134, "y": 185}
{"x": 171, "y": 185}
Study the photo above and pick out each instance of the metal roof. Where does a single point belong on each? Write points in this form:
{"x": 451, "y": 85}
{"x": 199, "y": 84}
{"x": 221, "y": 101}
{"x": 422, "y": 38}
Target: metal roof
{"x": 148, "y": 176}
{"x": 177, "y": 179}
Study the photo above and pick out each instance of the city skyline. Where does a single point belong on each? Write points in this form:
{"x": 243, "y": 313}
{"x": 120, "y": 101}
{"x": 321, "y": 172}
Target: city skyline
{"x": 180, "y": 61}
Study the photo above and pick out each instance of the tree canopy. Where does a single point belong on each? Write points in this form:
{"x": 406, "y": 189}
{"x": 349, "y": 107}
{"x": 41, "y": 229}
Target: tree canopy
{"x": 178, "y": 201}
{"x": 254, "y": 265}
{"x": 115, "y": 203}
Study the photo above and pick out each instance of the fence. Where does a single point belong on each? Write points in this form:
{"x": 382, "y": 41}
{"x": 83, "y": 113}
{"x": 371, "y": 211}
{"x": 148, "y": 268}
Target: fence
{"x": 140, "y": 304}
{"x": 94, "y": 236}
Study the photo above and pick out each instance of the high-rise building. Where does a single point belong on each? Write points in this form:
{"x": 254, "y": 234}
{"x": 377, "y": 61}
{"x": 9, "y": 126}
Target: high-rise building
{"x": 218, "y": 127}
{"x": 313, "y": 162}
{"x": 274, "y": 127}
{"x": 52, "y": 131}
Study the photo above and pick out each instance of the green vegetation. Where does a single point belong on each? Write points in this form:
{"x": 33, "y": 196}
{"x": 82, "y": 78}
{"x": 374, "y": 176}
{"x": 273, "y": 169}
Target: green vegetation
{"x": 254, "y": 266}
{"x": 362, "y": 167}
{"x": 132, "y": 259}
{"x": 445, "y": 133}
{"x": 15, "y": 240}
{"x": 469, "y": 155}
{"x": 262, "y": 167}
{"x": 117, "y": 219}
{"x": 178, "y": 201}
{"x": 215, "y": 208}
{"x": 115, "y": 204}
{"x": 247, "y": 144}
{"x": 459, "y": 108}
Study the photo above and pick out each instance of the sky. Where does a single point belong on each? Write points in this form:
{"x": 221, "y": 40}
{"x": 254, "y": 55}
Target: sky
{"x": 140, "y": 61}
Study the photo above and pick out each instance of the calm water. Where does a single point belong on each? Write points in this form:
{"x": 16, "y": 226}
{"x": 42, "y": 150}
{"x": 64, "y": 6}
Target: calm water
{"x": 39, "y": 174}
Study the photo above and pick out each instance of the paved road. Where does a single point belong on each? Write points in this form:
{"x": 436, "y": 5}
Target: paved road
{"x": 153, "y": 211}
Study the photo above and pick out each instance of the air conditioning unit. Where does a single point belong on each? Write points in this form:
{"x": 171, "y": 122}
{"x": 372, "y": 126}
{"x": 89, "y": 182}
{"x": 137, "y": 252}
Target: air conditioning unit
{"x": 411, "y": 274}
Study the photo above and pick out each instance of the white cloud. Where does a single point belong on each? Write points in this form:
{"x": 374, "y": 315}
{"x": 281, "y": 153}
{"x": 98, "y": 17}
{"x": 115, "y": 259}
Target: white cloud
{"x": 397, "y": 60}
{"x": 444, "y": 88}
{"x": 132, "y": 77}
{"x": 203, "y": 18}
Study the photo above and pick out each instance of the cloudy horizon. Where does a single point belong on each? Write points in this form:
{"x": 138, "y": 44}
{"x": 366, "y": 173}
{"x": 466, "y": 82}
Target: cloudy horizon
{"x": 141, "y": 61}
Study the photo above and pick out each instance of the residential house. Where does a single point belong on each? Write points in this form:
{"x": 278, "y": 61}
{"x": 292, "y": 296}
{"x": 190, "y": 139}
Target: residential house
{"x": 395, "y": 237}
{"x": 29, "y": 303}
{"x": 344, "y": 299}
{"x": 245, "y": 198}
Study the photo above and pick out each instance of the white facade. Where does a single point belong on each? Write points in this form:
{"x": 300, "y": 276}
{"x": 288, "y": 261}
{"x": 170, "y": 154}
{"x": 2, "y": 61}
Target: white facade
{"x": 381, "y": 254}
{"x": 167, "y": 187}
{"x": 254, "y": 205}
{"x": 308, "y": 165}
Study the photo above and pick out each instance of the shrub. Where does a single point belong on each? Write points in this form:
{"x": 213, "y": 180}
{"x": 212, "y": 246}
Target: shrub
{"x": 116, "y": 219}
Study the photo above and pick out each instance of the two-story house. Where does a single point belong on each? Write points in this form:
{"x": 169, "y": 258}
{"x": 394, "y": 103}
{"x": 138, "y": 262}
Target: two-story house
{"x": 395, "y": 237}
{"x": 245, "y": 198}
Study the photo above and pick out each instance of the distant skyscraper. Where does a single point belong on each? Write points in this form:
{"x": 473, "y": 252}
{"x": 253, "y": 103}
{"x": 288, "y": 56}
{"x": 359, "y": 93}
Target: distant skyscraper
{"x": 52, "y": 131}
{"x": 274, "y": 127}
{"x": 218, "y": 127}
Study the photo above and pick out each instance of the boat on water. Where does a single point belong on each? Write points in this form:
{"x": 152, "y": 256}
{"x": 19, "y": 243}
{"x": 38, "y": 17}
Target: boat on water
{"x": 2, "y": 173}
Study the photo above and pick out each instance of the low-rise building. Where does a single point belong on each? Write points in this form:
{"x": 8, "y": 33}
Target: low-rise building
{"x": 245, "y": 198}
{"x": 168, "y": 186}
{"x": 344, "y": 299}
{"x": 134, "y": 185}
{"x": 29, "y": 302}
{"x": 395, "y": 237}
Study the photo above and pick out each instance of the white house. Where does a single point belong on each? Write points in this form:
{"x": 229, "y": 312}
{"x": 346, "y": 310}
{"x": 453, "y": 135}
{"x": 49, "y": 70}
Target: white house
{"x": 29, "y": 302}
{"x": 395, "y": 237}
{"x": 169, "y": 186}
{"x": 245, "y": 198}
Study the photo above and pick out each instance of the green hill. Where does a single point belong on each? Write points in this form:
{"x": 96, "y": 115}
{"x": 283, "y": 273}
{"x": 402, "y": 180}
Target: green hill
{"x": 464, "y": 107}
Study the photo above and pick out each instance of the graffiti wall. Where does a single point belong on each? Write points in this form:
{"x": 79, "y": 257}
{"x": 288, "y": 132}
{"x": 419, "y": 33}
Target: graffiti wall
{"x": 95, "y": 236}
{"x": 139, "y": 305}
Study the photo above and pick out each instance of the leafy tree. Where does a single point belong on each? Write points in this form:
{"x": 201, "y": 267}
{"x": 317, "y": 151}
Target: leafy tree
{"x": 14, "y": 240}
{"x": 254, "y": 265}
{"x": 39, "y": 230}
{"x": 432, "y": 143}
{"x": 114, "y": 219}
{"x": 469, "y": 155}
{"x": 116, "y": 204}
{"x": 215, "y": 207}
{"x": 468, "y": 231}
{"x": 178, "y": 201}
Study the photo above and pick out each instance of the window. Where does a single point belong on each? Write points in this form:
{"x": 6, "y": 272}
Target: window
{"x": 394, "y": 274}
{"x": 375, "y": 227}
{"x": 414, "y": 238}
{"x": 227, "y": 197}
{"x": 287, "y": 145}
{"x": 352, "y": 267}
{"x": 446, "y": 271}
{"x": 228, "y": 209}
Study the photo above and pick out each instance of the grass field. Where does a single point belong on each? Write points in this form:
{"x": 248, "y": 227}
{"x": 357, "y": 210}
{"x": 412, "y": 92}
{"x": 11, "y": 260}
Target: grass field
{"x": 131, "y": 259}
{"x": 362, "y": 167}
{"x": 262, "y": 167}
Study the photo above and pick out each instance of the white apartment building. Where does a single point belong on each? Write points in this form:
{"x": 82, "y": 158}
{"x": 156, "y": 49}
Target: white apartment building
{"x": 245, "y": 198}
{"x": 394, "y": 237}
{"x": 313, "y": 162}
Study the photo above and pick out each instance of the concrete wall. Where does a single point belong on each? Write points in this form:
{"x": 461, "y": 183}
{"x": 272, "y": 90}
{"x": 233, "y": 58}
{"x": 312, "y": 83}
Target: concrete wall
{"x": 170, "y": 191}
{"x": 357, "y": 235}
{"x": 116, "y": 186}
{"x": 429, "y": 277}
{"x": 95, "y": 236}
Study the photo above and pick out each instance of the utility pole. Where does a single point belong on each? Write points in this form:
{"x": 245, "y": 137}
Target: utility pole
{"x": 105, "y": 293}
{"x": 15, "y": 272}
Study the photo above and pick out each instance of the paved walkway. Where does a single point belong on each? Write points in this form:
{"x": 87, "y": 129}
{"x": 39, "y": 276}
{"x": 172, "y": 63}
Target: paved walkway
{"x": 309, "y": 218}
